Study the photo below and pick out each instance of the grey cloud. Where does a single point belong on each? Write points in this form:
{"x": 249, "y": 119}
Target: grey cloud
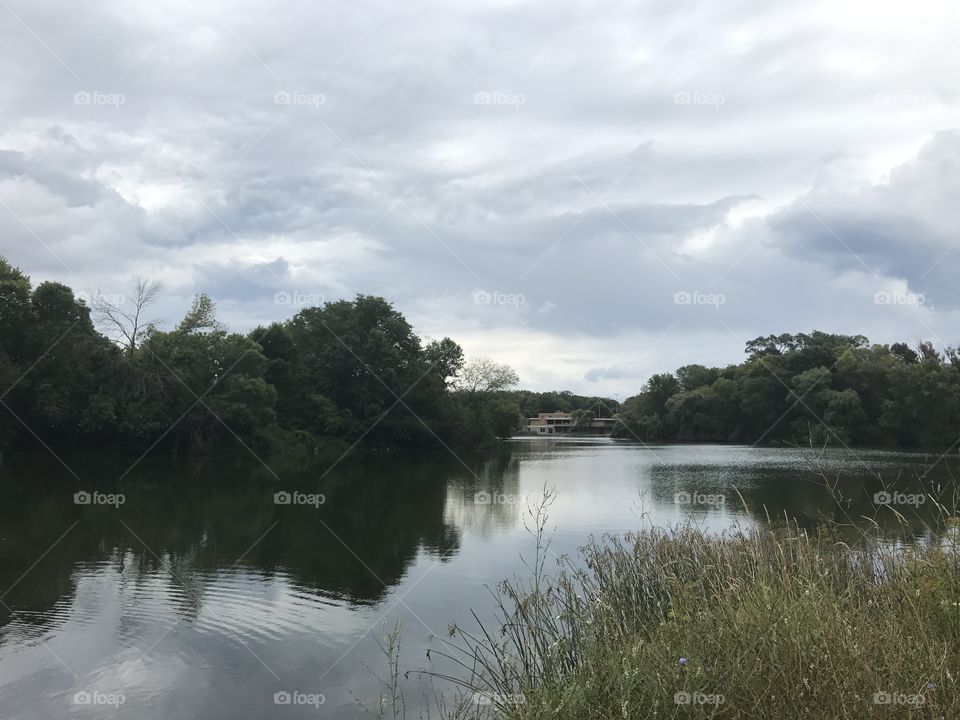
{"x": 903, "y": 228}
{"x": 597, "y": 198}
{"x": 615, "y": 372}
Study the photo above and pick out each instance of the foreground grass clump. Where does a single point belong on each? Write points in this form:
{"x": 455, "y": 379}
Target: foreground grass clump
{"x": 767, "y": 623}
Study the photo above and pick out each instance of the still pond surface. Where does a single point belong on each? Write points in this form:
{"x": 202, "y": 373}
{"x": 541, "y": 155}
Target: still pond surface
{"x": 203, "y": 595}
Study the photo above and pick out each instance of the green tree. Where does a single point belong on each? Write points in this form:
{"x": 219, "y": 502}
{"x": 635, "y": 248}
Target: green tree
{"x": 692, "y": 377}
{"x": 364, "y": 357}
{"x": 446, "y": 358}
{"x": 200, "y": 317}
{"x": 200, "y": 386}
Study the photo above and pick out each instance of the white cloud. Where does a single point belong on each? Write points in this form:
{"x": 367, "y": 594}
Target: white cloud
{"x": 597, "y": 198}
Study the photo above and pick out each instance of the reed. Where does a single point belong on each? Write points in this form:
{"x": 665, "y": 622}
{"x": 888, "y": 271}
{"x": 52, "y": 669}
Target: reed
{"x": 767, "y": 622}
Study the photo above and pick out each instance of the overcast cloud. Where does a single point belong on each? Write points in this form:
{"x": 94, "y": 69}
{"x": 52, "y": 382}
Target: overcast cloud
{"x": 591, "y": 191}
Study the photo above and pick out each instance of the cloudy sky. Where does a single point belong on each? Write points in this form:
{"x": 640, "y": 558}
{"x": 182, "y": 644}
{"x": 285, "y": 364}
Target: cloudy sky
{"x": 590, "y": 191}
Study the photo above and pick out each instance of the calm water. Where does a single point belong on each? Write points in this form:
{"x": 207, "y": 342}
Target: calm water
{"x": 200, "y": 597}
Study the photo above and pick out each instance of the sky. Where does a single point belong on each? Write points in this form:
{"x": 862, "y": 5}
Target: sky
{"x": 589, "y": 191}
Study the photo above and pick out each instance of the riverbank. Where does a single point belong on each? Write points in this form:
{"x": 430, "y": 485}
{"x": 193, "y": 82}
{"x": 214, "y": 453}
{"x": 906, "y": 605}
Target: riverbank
{"x": 770, "y": 623}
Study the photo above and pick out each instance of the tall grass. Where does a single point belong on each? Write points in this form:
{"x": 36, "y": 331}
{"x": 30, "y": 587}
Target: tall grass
{"x": 771, "y": 622}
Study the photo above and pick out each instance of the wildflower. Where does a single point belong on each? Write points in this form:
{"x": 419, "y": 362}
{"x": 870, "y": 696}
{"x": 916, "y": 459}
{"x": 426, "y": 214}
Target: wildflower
{"x": 931, "y": 686}
{"x": 683, "y": 661}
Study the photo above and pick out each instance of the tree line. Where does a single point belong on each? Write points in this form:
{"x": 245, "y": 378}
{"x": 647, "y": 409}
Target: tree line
{"x": 350, "y": 372}
{"x": 806, "y": 388}
{"x": 353, "y": 372}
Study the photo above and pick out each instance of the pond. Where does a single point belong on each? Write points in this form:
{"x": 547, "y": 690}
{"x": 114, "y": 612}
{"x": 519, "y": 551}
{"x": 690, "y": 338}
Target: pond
{"x": 225, "y": 590}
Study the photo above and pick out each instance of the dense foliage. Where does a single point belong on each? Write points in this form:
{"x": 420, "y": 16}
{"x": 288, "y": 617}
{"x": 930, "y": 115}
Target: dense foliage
{"x": 815, "y": 387}
{"x": 532, "y": 403}
{"x": 354, "y": 371}
{"x": 762, "y": 623}
{"x": 348, "y": 372}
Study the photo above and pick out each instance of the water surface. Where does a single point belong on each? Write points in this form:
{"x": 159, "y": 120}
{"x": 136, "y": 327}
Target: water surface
{"x": 200, "y": 597}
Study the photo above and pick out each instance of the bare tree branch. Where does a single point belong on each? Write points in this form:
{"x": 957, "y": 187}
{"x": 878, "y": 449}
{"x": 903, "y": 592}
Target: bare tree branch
{"x": 128, "y": 327}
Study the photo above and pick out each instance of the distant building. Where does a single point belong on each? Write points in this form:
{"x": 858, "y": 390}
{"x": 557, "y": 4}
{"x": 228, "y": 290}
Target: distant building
{"x": 561, "y": 423}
